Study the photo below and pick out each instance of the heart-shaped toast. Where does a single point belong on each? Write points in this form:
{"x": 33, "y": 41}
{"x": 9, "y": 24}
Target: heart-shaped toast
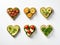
{"x": 46, "y": 12}
{"x": 29, "y": 11}
{"x": 13, "y": 12}
{"x": 29, "y": 30}
{"x": 13, "y": 30}
{"x": 46, "y": 29}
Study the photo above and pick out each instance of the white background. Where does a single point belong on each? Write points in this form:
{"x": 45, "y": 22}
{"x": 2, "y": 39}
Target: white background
{"x": 38, "y": 37}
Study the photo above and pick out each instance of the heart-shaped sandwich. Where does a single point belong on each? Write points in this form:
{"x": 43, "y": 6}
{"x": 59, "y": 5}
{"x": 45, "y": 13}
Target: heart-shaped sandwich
{"x": 29, "y": 30}
{"x": 13, "y": 30}
{"x": 46, "y": 29}
{"x": 46, "y": 12}
{"x": 29, "y": 11}
{"x": 13, "y": 12}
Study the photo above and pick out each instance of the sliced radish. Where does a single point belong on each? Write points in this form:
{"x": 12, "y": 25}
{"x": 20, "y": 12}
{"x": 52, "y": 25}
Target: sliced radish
{"x": 28, "y": 34}
{"x": 32, "y": 27}
{"x": 31, "y": 30}
{"x": 26, "y": 26}
{"x": 26, "y": 30}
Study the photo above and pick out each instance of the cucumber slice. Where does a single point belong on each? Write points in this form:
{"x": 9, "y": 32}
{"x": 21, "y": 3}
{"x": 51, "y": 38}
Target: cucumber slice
{"x": 13, "y": 30}
{"x": 10, "y": 28}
